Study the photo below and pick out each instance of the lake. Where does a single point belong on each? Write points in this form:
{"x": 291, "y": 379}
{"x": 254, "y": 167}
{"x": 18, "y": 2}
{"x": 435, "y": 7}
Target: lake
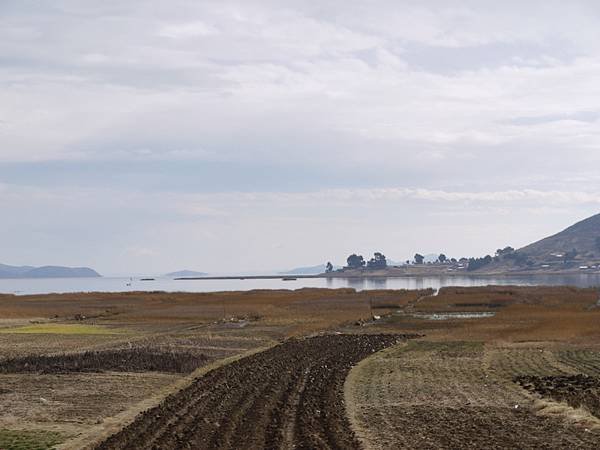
{"x": 107, "y": 284}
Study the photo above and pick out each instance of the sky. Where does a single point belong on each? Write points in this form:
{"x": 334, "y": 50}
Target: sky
{"x": 228, "y": 136}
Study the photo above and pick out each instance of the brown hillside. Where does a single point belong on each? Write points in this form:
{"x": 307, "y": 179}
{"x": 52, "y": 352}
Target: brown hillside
{"x": 582, "y": 236}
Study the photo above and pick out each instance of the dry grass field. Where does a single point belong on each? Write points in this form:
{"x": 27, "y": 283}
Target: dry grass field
{"x": 460, "y": 384}
{"x": 562, "y": 314}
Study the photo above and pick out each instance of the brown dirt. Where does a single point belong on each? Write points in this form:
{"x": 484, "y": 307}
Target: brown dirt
{"x": 126, "y": 360}
{"x": 575, "y": 390}
{"x": 290, "y": 395}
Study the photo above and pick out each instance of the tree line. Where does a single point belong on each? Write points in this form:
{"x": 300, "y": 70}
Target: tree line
{"x": 354, "y": 261}
{"x": 520, "y": 258}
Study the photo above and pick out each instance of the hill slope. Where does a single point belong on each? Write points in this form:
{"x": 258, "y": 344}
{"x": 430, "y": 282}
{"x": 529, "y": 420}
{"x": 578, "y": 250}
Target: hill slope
{"x": 584, "y": 237}
{"x": 577, "y": 248}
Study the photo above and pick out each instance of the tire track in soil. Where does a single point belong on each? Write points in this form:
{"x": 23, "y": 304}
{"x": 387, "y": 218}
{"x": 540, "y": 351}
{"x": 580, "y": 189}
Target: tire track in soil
{"x": 290, "y": 396}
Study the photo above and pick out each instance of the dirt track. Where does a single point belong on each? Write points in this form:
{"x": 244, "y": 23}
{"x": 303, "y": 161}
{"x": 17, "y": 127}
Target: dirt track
{"x": 287, "y": 397}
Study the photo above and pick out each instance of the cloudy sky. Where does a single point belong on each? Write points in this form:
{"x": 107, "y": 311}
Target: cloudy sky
{"x": 150, "y": 136}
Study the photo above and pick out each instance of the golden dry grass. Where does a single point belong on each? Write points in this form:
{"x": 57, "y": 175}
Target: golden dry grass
{"x": 560, "y": 314}
{"x": 294, "y": 312}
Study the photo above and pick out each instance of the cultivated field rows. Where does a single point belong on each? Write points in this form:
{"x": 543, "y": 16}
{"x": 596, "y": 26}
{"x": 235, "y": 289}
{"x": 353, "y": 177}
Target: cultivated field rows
{"x": 455, "y": 395}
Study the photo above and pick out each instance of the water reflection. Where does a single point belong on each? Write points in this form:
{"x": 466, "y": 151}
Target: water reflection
{"x": 42, "y": 286}
{"x": 361, "y": 284}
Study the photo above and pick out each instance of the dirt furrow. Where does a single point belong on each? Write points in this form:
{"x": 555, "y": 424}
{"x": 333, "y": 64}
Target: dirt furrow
{"x": 288, "y": 396}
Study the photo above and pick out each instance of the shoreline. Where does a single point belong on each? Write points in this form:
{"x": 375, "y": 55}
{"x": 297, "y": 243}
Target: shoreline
{"x": 389, "y": 275}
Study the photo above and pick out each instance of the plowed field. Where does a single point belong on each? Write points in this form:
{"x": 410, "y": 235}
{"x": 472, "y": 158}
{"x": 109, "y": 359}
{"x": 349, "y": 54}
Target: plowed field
{"x": 290, "y": 396}
{"x": 576, "y": 390}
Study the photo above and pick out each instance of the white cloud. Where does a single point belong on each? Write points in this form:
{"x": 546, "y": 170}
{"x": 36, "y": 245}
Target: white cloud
{"x": 278, "y": 69}
{"x": 187, "y": 30}
{"x": 95, "y": 58}
{"x": 351, "y": 96}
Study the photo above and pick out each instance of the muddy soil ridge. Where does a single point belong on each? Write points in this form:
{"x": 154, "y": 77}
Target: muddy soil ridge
{"x": 124, "y": 360}
{"x": 290, "y": 396}
{"x": 576, "y": 390}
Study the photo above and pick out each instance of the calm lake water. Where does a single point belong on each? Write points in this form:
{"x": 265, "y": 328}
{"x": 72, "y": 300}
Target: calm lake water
{"x": 106, "y": 284}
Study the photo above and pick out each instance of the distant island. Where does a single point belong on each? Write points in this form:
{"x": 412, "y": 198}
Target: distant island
{"x": 185, "y": 273}
{"x": 7, "y": 271}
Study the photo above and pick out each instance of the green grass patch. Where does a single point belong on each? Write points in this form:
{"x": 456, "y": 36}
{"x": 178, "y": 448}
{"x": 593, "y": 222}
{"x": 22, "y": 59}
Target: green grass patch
{"x": 29, "y": 440}
{"x": 57, "y": 328}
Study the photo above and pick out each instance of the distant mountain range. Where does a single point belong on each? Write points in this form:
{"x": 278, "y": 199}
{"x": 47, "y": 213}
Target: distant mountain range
{"x": 185, "y": 273}
{"x": 309, "y": 270}
{"x": 46, "y": 272}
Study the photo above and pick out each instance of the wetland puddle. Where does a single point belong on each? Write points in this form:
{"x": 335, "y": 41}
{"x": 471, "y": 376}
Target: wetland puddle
{"x": 449, "y": 315}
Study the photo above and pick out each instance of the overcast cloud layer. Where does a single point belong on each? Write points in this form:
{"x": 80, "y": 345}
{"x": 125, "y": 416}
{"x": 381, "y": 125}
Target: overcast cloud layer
{"x": 227, "y": 136}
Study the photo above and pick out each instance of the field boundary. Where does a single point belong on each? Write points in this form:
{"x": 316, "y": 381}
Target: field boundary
{"x": 111, "y": 425}
{"x": 352, "y": 407}
{"x": 546, "y": 407}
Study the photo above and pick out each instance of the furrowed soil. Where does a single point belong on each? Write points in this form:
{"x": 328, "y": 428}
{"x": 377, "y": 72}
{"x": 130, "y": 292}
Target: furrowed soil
{"x": 290, "y": 396}
{"x": 126, "y": 360}
{"x": 438, "y": 395}
{"x": 576, "y": 390}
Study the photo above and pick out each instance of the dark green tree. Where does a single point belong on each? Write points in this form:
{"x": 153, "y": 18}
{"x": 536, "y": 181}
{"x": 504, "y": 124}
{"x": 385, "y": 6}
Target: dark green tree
{"x": 355, "y": 261}
{"x": 419, "y": 258}
{"x": 477, "y": 263}
{"x": 328, "y": 267}
{"x": 505, "y": 251}
{"x": 377, "y": 262}
{"x": 442, "y": 258}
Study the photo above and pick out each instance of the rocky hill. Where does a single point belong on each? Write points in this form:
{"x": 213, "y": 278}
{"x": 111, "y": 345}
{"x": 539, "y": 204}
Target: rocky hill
{"x": 581, "y": 239}
{"x": 576, "y": 248}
